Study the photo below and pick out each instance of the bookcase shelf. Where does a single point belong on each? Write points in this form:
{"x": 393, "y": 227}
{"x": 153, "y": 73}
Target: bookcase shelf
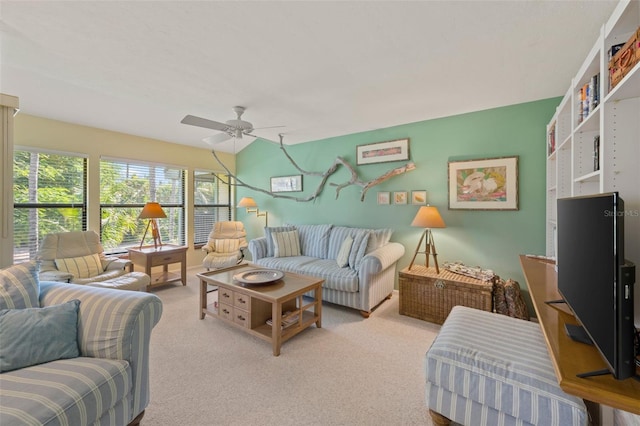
{"x": 594, "y": 148}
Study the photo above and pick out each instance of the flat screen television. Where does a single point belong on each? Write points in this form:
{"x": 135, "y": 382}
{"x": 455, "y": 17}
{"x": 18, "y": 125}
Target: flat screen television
{"x": 595, "y": 280}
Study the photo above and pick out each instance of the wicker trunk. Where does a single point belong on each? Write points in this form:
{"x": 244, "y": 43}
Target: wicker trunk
{"x": 430, "y": 296}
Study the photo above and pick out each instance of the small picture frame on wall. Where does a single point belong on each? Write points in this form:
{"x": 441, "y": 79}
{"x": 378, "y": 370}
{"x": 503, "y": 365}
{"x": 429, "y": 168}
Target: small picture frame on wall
{"x": 382, "y": 152}
{"x": 400, "y": 197}
{"x": 291, "y": 183}
{"x": 418, "y": 198}
{"x": 383, "y": 197}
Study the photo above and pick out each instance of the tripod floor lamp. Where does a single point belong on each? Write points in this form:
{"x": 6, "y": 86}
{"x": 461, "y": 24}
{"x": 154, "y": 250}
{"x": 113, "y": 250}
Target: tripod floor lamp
{"x": 152, "y": 211}
{"x": 427, "y": 217}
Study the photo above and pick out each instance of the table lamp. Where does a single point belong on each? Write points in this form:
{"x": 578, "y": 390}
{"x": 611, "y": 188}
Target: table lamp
{"x": 152, "y": 211}
{"x": 249, "y": 203}
{"x": 427, "y": 217}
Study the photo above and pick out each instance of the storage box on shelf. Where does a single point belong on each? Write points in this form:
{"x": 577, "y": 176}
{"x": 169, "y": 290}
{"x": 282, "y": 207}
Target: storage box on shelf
{"x": 624, "y": 59}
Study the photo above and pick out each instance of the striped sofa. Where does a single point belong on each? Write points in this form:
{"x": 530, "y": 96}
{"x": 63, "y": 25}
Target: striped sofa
{"x": 108, "y": 384}
{"x": 490, "y": 369}
{"x": 366, "y": 280}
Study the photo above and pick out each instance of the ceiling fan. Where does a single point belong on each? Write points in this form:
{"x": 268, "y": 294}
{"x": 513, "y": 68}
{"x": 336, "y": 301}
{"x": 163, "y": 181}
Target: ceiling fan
{"x": 230, "y": 129}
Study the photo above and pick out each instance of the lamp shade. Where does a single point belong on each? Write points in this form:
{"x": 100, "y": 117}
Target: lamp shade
{"x": 152, "y": 210}
{"x": 247, "y": 202}
{"x": 428, "y": 217}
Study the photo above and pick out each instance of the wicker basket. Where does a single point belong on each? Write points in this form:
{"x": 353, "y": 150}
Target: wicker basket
{"x": 429, "y": 296}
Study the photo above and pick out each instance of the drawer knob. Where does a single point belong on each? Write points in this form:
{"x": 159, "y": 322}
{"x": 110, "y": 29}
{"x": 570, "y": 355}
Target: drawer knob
{"x": 241, "y": 318}
{"x": 242, "y": 301}
{"x": 225, "y": 311}
{"x": 439, "y": 284}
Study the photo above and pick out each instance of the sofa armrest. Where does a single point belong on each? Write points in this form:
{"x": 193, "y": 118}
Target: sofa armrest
{"x": 60, "y": 276}
{"x": 381, "y": 258}
{"x": 112, "y": 324}
{"x": 116, "y": 263}
{"x": 258, "y": 248}
{"x": 208, "y": 248}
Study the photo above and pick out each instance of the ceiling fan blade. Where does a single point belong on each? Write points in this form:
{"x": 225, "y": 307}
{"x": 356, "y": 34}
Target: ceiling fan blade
{"x": 268, "y": 127}
{"x": 203, "y": 122}
{"x": 220, "y": 137}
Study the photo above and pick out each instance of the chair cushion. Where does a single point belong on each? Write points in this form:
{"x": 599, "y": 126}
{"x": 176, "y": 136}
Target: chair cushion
{"x": 226, "y": 245}
{"x": 33, "y": 336}
{"x": 286, "y": 244}
{"x": 19, "y": 286}
{"x": 78, "y": 391}
{"x": 81, "y": 267}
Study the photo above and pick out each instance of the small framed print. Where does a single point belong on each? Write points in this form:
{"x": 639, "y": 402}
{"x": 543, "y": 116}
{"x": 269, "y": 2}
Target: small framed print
{"x": 400, "y": 197}
{"x": 286, "y": 183}
{"x": 419, "y": 197}
{"x": 382, "y": 152}
{"x": 383, "y": 197}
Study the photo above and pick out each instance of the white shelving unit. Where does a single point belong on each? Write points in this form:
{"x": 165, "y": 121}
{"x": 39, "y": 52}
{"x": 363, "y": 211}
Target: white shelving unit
{"x": 572, "y": 167}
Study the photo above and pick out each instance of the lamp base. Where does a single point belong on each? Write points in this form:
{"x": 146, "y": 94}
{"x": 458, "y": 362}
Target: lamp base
{"x": 155, "y": 233}
{"x": 430, "y": 250}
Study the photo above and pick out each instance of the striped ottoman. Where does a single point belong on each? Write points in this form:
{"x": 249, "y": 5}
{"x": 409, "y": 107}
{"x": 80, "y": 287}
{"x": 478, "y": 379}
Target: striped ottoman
{"x": 136, "y": 281}
{"x": 490, "y": 369}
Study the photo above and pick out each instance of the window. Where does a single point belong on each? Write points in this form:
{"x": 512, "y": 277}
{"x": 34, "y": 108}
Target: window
{"x": 125, "y": 187}
{"x": 212, "y": 202}
{"x": 49, "y": 193}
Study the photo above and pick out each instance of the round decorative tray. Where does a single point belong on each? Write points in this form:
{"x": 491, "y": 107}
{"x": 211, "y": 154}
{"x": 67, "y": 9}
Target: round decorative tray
{"x": 259, "y": 276}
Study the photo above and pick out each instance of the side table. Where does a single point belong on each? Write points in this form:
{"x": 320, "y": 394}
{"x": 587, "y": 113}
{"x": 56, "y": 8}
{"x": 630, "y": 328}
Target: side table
{"x": 429, "y": 296}
{"x": 148, "y": 257}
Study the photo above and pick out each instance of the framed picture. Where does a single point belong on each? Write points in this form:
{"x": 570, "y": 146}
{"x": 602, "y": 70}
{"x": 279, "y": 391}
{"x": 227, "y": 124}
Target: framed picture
{"x": 383, "y": 197}
{"x": 291, "y": 183}
{"x": 400, "y": 197}
{"x": 419, "y": 197}
{"x": 486, "y": 184}
{"x": 382, "y": 152}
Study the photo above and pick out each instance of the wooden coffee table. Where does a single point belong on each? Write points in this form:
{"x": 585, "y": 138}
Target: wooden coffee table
{"x": 248, "y": 307}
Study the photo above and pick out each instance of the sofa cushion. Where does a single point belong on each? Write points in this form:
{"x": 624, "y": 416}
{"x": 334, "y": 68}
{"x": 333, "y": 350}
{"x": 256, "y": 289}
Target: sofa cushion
{"x": 82, "y": 266}
{"x": 360, "y": 241}
{"x": 343, "y": 254}
{"x": 336, "y": 278}
{"x": 33, "y": 336}
{"x": 19, "y": 286}
{"x": 267, "y": 233}
{"x": 286, "y": 244}
{"x": 314, "y": 240}
{"x": 78, "y": 391}
{"x": 378, "y": 238}
{"x": 336, "y": 237}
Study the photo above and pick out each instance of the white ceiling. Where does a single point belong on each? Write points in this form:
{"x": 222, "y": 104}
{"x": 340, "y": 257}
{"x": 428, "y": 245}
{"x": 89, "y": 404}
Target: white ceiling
{"x": 320, "y": 68}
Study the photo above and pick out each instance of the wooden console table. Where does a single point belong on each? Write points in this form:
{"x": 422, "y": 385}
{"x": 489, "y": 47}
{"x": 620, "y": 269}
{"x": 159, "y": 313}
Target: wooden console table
{"x": 569, "y": 357}
{"x": 148, "y": 257}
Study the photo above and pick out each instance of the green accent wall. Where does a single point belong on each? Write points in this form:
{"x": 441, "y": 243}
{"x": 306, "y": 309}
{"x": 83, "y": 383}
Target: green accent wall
{"x": 491, "y": 239}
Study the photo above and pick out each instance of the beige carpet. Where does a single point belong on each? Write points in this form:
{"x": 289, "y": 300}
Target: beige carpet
{"x": 352, "y": 371}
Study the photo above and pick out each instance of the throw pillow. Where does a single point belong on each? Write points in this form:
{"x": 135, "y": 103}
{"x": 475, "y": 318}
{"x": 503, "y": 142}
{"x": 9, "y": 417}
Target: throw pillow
{"x": 81, "y": 267}
{"x": 227, "y": 245}
{"x": 19, "y": 286}
{"x": 270, "y": 230}
{"x": 360, "y": 241}
{"x": 343, "y": 254}
{"x": 286, "y": 244}
{"x": 32, "y": 336}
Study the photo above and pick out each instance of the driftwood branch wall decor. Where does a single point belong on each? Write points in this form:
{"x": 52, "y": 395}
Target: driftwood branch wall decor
{"x": 324, "y": 176}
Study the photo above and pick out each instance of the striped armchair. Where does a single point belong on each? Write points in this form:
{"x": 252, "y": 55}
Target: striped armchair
{"x": 108, "y": 383}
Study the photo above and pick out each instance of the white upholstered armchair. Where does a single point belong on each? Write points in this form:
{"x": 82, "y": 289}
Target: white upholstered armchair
{"x": 225, "y": 246}
{"x": 77, "y": 257}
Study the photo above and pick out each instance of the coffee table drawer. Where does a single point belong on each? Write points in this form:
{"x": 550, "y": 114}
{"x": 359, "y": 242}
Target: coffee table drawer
{"x": 241, "y": 317}
{"x": 226, "y": 311}
{"x": 241, "y": 301}
{"x": 225, "y": 296}
{"x": 166, "y": 259}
